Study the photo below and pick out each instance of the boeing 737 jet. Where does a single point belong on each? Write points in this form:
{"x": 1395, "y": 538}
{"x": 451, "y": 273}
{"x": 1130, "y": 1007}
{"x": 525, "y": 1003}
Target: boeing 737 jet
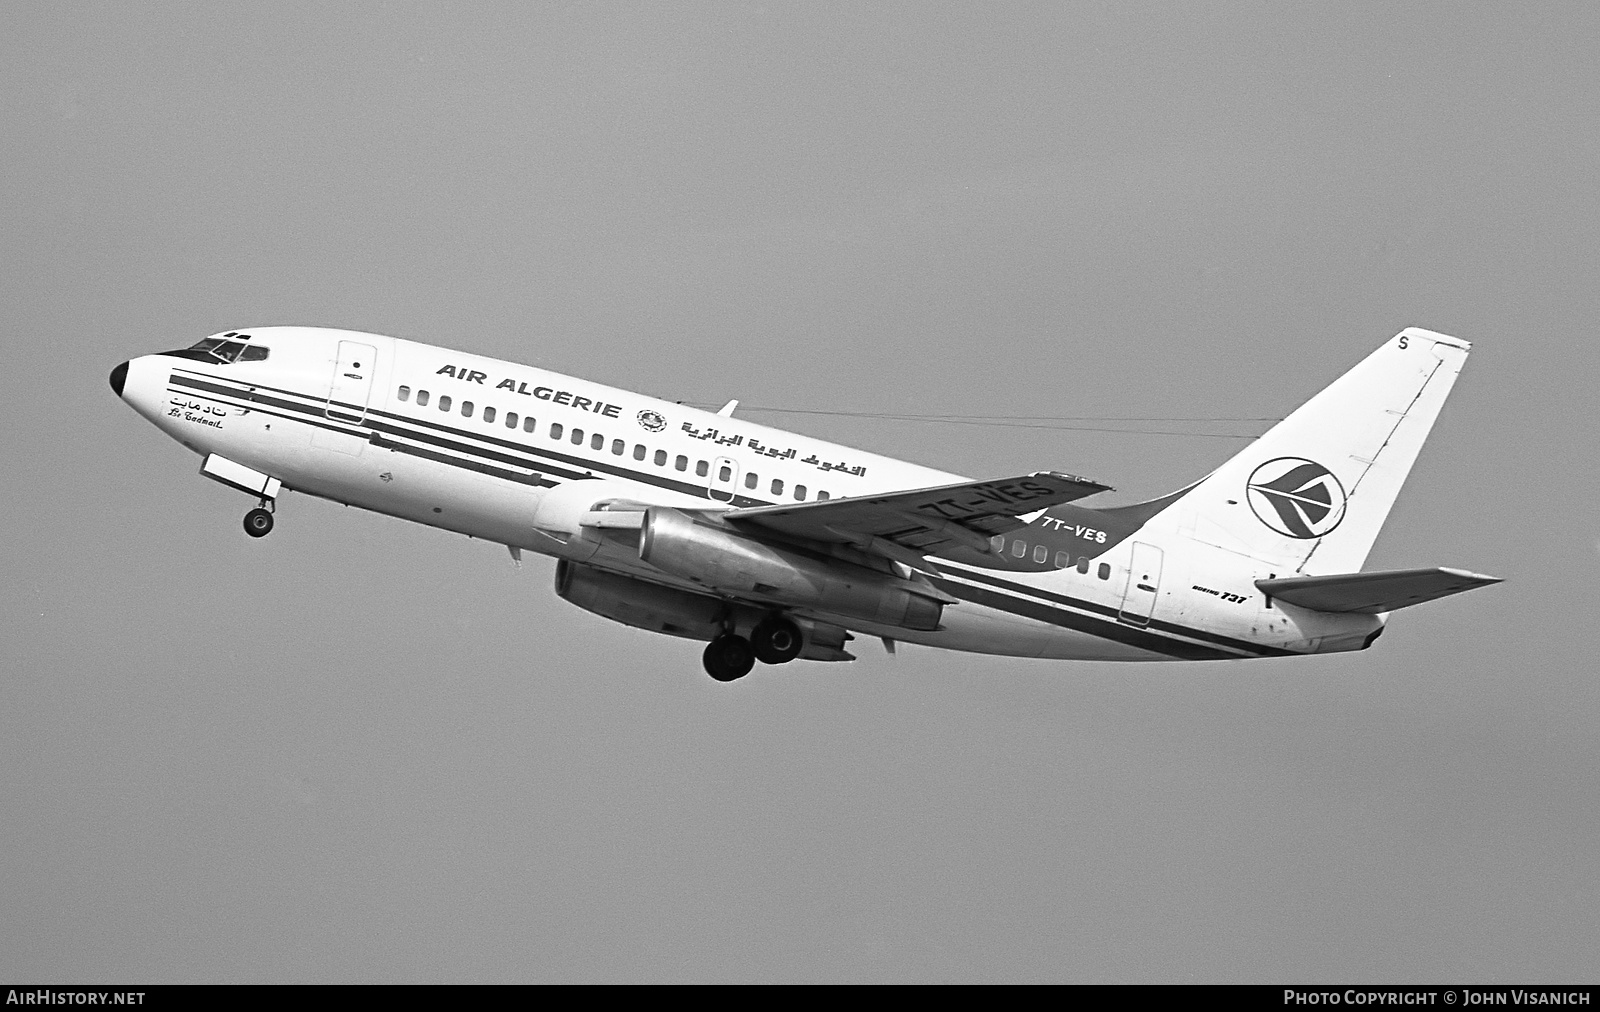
{"x": 770, "y": 545}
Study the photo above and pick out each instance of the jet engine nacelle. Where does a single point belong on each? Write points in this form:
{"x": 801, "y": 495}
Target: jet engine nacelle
{"x": 678, "y": 612}
{"x": 640, "y": 604}
{"x": 728, "y": 562}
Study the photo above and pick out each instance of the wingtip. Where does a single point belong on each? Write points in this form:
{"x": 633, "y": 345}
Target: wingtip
{"x": 1075, "y": 478}
{"x": 1466, "y": 574}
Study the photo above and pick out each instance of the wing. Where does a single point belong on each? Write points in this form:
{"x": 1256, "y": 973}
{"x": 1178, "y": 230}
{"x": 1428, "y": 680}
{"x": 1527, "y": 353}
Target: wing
{"x": 1371, "y": 593}
{"x": 925, "y": 520}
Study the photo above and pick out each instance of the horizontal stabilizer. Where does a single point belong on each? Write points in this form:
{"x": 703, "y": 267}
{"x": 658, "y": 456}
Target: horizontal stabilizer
{"x": 926, "y": 520}
{"x": 1371, "y": 593}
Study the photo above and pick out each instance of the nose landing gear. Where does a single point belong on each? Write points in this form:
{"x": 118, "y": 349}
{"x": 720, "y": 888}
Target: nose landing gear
{"x": 258, "y": 522}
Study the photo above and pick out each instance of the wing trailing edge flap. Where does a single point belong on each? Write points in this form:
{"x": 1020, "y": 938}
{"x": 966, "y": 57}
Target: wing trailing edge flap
{"x": 908, "y": 525}
{"x": 1372, "y": 593}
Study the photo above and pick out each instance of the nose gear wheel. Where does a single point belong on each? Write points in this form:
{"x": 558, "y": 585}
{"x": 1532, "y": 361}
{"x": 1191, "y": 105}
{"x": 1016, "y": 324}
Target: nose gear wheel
{"x": 258, "y": 523}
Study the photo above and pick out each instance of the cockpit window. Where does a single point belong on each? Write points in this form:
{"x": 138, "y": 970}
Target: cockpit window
{"x": 222, "y": 350}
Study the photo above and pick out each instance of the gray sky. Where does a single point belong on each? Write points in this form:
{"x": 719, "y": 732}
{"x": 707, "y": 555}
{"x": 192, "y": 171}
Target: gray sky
{"x": 361, "y": 750}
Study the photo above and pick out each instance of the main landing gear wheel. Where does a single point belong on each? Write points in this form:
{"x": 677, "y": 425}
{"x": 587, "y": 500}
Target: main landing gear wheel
{"x": 729, "y": 657}
{"x": 258, "y": 523}
{"x": 776, "y": 641}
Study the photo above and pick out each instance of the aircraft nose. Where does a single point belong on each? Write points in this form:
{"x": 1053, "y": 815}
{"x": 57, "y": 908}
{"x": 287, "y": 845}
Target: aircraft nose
{"x": 119, "y": 375}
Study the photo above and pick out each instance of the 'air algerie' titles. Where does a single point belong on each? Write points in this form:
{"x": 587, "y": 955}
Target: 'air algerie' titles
{"x": 566, "y": 397}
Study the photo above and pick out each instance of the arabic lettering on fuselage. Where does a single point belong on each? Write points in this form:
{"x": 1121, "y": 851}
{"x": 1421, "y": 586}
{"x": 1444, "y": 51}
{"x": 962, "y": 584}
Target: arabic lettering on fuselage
{"x": 196, "y": 406}
{"x": 194, "y": 411}
{"x": 778, "y": 453}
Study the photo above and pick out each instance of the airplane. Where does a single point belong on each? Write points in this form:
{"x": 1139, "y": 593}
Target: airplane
{"x": 773, "y": 546}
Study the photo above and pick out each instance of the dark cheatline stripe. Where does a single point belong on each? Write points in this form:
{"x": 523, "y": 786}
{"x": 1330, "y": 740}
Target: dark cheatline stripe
{"x": 301, "y": 412}
{"x": 470, "y": 465}
{"x": 587, "y": 463}
{"x": 1023, "y": 588}
{"x": 459, "y": 447}
{"x": 1083, "y": 623}
{"x": 1174, "y": 628}
{"x": 542, "y": 458}
{"x": 292, "y": 412}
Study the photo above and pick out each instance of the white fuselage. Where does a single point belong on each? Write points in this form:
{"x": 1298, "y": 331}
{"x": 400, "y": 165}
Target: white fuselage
{"x": 512, "y": 454}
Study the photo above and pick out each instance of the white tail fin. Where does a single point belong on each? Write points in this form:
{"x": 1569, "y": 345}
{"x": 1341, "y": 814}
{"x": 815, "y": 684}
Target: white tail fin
{"x": 1310, "y": 495}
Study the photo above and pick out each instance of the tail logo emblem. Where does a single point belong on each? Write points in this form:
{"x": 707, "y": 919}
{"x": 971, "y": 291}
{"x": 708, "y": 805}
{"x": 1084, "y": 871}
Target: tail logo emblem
{"x": 1296, "y": 497}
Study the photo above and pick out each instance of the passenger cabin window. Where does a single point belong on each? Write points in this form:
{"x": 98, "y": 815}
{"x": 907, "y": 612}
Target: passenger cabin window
{"x": 529, "y": 424}
{"x": 1019, "y": 548}
{"x": 1105, "y": 571}
{"x": 638, "y": 451}
{"x": 466, "y": 409}
{"x": 799, "y": 492}
{"x": 777, "y": 486}
{"x": 597, "y": 442}
{"x": 724, "y": 473}
{"x": 422, "y": 398}
{"x": 823, "y": 495}
{"x": 444, "y": 402}
{"x": 997, "y": 544}
{"x": 1083, "y": 565}
{"x": 1041, "y": 553}
{"x": 617, "y": 446}
{"x": 682, "y": 463}
{"x": 661, "y": 458}
{"x": 511, "y": 419}
{"x": 556, "y": 429}
{"x": 577, "y": 437}
{"x": 488, "y": 414}
{"x": 405, "y": 393}
{"x": 751, "y": 479}
{"x": 701, "y": 467}
{"x": 1063, "y": 560}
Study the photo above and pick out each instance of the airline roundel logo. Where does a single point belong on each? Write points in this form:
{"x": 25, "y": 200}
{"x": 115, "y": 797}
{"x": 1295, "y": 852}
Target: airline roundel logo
{"x": 1296, "y": 497}
{"x": 651, "y": 421}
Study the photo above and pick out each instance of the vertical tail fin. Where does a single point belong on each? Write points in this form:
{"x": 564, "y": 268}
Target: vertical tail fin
{"x": 1311, "y": 494}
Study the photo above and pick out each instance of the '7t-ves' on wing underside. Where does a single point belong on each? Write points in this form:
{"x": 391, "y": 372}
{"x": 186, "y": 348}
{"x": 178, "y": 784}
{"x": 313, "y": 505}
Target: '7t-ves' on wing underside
{"x": 924, "y": 521}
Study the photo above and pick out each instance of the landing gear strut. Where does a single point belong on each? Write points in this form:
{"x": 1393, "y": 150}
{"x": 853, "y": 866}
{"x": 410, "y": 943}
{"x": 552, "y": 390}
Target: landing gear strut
{"x": 776, "y": 640}
{"x": 729, "y": 657}
{"x": 258, "y": 522}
